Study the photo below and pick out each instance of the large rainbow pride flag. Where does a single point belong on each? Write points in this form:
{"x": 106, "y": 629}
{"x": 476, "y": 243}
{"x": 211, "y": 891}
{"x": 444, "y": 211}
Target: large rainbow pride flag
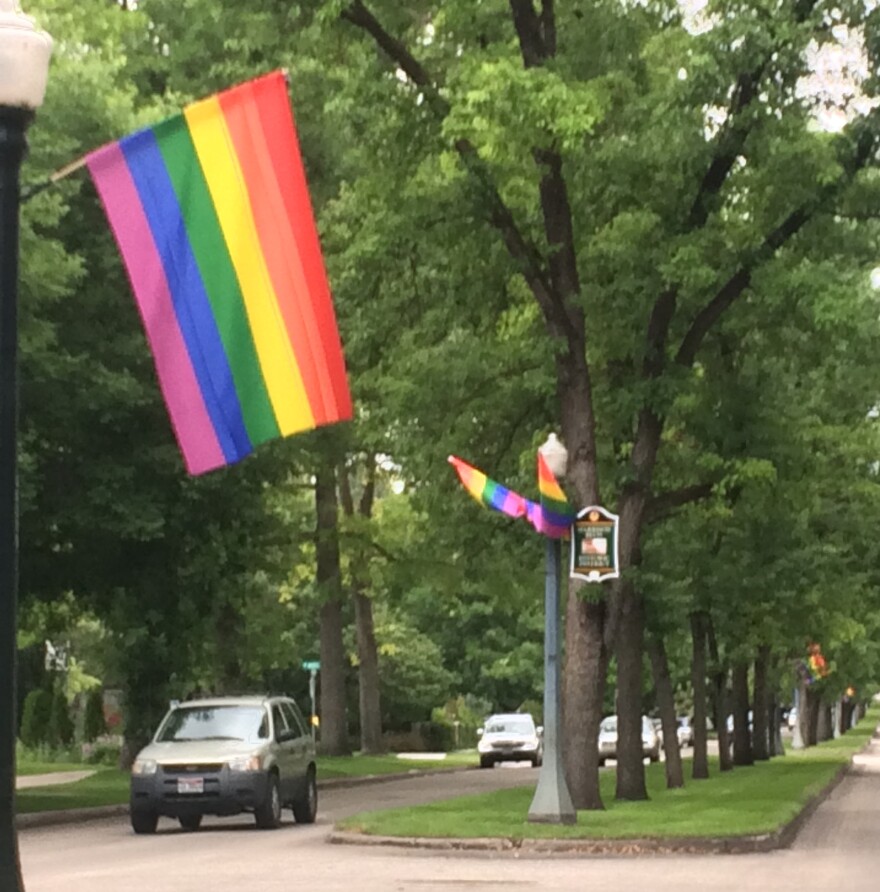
{"x": 212, "y": 215}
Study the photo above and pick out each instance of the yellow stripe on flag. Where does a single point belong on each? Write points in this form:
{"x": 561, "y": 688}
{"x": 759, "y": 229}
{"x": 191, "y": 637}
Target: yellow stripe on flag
{"x": 226, "y": 184}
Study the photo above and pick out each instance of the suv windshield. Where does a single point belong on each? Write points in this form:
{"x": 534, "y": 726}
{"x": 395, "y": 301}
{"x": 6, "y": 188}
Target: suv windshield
{"x": 215, "y": 723}
{"x": 510, "y": 726}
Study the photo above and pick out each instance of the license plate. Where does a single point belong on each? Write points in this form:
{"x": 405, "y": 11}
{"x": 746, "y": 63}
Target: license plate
{"x": 190, "y": 785}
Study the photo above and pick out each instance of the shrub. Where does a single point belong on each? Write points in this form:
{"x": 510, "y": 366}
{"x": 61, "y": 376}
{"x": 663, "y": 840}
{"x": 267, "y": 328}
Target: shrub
{"x": 102, "y": 752}
{"x": 60, "y": 723}
{"x": 461, "y": 717}
{"x": 94, "y": 724}
{"x": 36, "y": 718}
{"x": 437, "y": 736}
{"x": 403, "y": 742}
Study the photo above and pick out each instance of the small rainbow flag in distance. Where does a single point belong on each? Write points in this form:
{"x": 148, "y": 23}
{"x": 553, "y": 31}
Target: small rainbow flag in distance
{"x": 487, "y": 492}
{"x": 212, "y": 215}
{"x": 554, "y": 522}
{"x": 556, "y": 514}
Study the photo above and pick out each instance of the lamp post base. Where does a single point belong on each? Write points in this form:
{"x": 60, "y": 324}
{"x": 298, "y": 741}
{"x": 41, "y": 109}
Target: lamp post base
{"x": 552, "y": 801}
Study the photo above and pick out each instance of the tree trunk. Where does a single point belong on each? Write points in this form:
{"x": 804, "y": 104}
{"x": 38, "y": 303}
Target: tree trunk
{"x": 742, "y": 737}
{"x": 586, "y": 664}
{"x": 846, "y": 715}
{"x": 666, "y": 705}
{"x": 228, "y": 629}
{"x": 761, "y": 708}
{"x": 700, "y": 767}
{"x": 369, "y": 700}
{"x": 368, "y": 677}
{"x": 334, "y": 724}
{"x": 823, "y": 722}
{"x": 774, "y": 712}
{"x": 630, "y": 648}
{"x": 719, "y": 681}
{"x": 811, "y": 716}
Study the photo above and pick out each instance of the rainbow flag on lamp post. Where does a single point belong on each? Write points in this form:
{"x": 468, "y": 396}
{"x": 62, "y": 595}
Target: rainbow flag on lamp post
{"x": 211, "y": 213}
{"x": 552, "y": 516}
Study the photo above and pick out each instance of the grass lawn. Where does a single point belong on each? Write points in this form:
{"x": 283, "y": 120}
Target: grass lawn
{"x": 741, "y": 802}
{"x": 363, "y": 766}
{"x": 23, "y": 767}
{"x": 108, "y": 786}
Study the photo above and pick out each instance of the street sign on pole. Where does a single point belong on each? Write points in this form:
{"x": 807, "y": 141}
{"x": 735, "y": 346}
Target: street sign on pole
{"x": 312, "y": 666}
{"x": 594, "y": 545}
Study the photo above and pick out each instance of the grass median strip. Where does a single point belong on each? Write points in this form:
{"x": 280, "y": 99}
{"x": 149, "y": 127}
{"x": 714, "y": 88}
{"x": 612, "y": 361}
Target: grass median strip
{"x": 746, "y": 801}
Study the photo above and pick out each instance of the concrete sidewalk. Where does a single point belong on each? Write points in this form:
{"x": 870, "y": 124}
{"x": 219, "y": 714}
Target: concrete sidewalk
{"x": 46, "y": 780}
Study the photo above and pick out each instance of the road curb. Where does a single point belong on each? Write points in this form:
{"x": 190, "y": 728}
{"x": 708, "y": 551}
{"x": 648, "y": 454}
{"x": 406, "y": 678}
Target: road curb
{"x": 68, "y": 816}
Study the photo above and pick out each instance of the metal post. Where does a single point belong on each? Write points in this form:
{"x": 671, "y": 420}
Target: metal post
{"x": 13, "y": 123}
{"x": 312, "y": 676}
{"x": 552, "y": 802}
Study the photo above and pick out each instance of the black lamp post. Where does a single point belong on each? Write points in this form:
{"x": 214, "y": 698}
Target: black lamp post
{"x": 24, "y": 68}
{"x": 552, "y": 802}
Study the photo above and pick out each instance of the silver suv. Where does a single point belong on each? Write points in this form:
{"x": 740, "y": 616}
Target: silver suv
{"x": 224, "y": 756}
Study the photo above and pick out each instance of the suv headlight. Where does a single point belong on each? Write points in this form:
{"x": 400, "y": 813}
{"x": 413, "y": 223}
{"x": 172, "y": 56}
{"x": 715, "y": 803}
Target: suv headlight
{"x": 245, "y": 763}
{"x": 484, "y": 745}
{"x": 144, "y": 766}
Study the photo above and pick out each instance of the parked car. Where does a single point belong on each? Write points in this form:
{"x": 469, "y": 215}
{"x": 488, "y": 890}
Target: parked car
{"x": 658, "y": 728}
{"x": 608, "y": 739}
{"x": 224, "y": 756}
{"x": 510, "y": 737}
{"x": 685, "y": 731}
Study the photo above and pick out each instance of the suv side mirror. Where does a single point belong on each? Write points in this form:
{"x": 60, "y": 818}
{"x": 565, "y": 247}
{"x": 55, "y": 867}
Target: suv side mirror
{"x": 479, "y": 732}
{"x": 539, "y": 730}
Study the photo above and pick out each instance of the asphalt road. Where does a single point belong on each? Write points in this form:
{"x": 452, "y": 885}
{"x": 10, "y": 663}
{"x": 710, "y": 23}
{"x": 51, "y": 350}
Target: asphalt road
{"x": 836, "y": 849}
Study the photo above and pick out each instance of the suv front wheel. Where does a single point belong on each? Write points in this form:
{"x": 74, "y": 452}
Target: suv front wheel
{"x": 305, "y": 805}
{"x": 268, "y": 812}
{"x": 143, "y": 820}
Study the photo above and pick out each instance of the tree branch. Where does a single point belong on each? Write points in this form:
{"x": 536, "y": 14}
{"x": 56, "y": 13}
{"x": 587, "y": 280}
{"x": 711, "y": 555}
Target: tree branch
{"x": 737, "y": 284}
{"x": 555, "y": 204}
{"x": 728, "y": 146}
{"x": 664, "y": 504}
{"x": 358, "y": 14}
{"x": 525, "y": 255}
{"x": 548, "y": 26}
{"x": 865, "y": 147}
{"x": 529, "y": 31}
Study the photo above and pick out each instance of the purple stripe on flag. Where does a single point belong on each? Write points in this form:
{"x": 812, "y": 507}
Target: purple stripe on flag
{"x": 548, "y": 524}
{"x": 189, "y": 416}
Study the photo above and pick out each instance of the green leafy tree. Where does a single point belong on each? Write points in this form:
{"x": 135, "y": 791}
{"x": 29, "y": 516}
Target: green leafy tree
{"x": 60, "y": 731}
{"x": 94, "y": 723}
{"x": 36, "y": 718}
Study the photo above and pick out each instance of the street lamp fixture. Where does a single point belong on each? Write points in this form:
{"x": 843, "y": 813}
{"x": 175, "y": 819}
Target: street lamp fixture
{"x": 552, "y": 801}
{"x": 24, "y": 70}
